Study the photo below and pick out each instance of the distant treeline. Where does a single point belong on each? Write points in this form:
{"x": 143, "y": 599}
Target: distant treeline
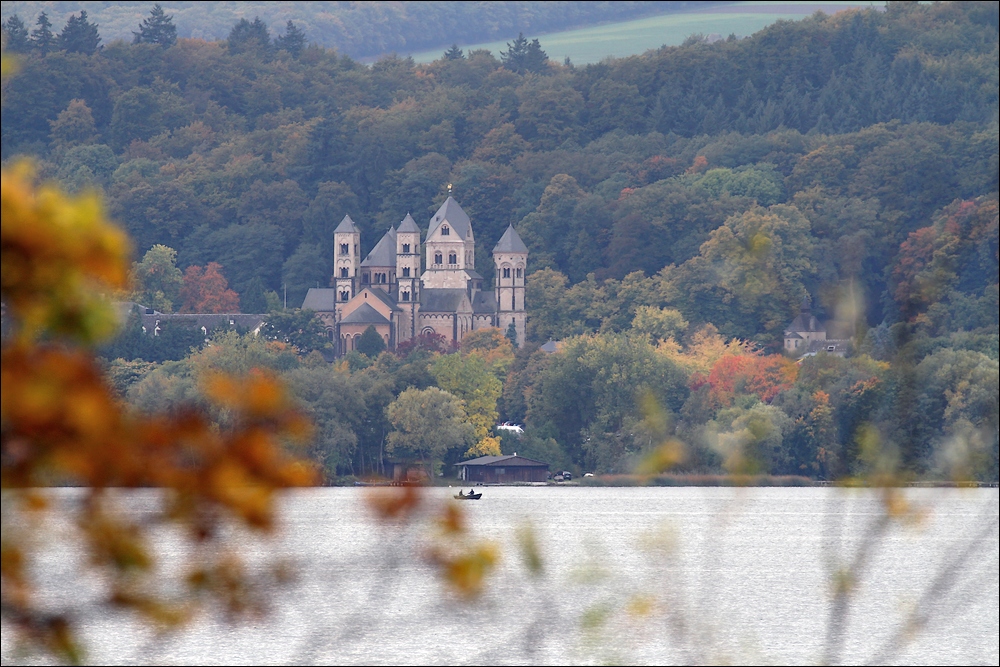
{"x": 357, "y": 29}
{"x": 678, "y": 206}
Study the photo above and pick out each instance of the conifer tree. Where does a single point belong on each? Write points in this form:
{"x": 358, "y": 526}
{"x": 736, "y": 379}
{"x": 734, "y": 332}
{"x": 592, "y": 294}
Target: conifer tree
{"x": 15, "y": 35}
{"x": 293, "y": 41}
{"x": 513, "y": 57}
{"x": 79, "y": 35}
{"x": 253, "y": 300}
{"x": 523, "y": 56}
{"x": 371, "y": 344}
{"x": 42, "y": 39}
{"x": 157, "y": 29}
{"x": 511, "y": 334}
{"x": 249, "y": 36}
{"x": 454, "y": 53}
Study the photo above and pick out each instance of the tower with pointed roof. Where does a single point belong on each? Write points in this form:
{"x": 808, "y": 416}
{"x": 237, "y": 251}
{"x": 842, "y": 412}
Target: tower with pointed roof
{"x": 346, "y": 247}
{"x": 408, "y": 274}
{"x": 510, "y": 256}
{"x": 450, "y": 247}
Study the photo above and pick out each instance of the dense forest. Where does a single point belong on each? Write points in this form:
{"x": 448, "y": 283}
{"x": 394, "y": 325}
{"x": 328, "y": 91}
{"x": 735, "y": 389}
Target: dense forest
{"x": 359, "y": 29}
{"x": 679, "y": 208}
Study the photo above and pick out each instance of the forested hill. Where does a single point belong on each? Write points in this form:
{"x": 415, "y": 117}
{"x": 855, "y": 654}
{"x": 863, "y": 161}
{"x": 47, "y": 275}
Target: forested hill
{"x": 357, "y": 29}
{"x": 678, "y": 207}
{"x": 857, "y": 130}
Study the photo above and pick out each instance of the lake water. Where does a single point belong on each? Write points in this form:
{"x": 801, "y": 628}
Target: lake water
{"x": 630, "y": 575}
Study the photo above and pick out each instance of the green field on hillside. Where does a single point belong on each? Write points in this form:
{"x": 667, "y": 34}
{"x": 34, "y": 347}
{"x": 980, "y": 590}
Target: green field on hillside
{"x": 593, "y": 44}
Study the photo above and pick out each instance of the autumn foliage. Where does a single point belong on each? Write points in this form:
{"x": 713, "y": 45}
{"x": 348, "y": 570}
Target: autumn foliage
{"x": 763, "y": 376}
{"x": 62, "y": 425}
{"x": 205, "y": 290}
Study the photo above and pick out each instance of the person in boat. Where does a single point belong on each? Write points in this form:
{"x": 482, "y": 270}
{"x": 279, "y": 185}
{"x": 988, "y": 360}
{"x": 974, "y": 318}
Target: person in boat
{"x": 461, "y": 492}
{"x": 472, "y": 492}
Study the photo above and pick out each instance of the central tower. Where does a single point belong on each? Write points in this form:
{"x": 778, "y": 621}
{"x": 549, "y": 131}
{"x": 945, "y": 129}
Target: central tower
{"x": 451, "y": 248}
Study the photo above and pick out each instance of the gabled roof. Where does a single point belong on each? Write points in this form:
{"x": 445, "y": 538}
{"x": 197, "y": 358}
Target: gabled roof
{"x": 805, "y": 322}
{"x": 510, "y": 242}
{"x": 384, "y": 252}
{"x": 792, "y": 335}
{"x": 365, "y": 314}
{"x": 508, "y": 461}
{"x": 320, "y": 299}
{"x": 552, "y": 346}
{"x": 453, "y": 214}
{"x": 441, "y": 300}
{"x": 382, "y": 296}
{"x": 408, "y": 225}
{"x": 347, "y": 226}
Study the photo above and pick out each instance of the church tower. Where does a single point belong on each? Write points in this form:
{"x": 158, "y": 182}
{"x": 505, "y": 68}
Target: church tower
{"x": 346, "y": 249}
{"x": 408, "y": 275}
{"x": 511, "y": 259}
{"x": 451, "y": 248}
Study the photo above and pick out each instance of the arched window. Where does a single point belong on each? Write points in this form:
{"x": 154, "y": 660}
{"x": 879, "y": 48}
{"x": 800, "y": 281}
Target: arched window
{"x": 406, "y": 296}
{"x": 406, "y": 272}
{"x": 344, "y": 295}
{"x": 406, "y": 248}
{"x": 365, "y": 278}
{"x": 445, "y": 231}
{"x": 437, "y": 258}
{"x": 452, "y": 258}
{"x": 506, "y": 272}
{"x": 344, "y": 272}
{"x": 519, "y": 272}
{"x": 345, "y": 249}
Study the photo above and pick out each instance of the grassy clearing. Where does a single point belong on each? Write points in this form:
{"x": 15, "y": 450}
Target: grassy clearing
{"x": 593, "y": 44}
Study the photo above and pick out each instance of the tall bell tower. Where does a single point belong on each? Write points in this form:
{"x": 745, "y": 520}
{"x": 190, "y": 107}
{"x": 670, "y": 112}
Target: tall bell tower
{"x": 408, "y": 275}
{"x": 346, "y": 250}
{"x": 510, "y": 256}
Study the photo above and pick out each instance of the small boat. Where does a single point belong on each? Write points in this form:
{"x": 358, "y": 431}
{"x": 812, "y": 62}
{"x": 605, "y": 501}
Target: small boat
{"x": 470, "y": 496}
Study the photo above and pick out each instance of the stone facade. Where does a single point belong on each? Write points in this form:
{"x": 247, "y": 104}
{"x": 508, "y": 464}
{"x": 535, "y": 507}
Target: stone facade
{"x": 402, "y": 297}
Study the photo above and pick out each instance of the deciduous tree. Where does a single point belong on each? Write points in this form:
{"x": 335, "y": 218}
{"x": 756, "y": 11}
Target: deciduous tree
{"x": 205, "y": 290}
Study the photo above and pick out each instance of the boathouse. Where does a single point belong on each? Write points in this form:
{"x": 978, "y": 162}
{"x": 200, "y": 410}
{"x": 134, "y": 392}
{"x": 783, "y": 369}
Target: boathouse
{"x": 503, "y": 470}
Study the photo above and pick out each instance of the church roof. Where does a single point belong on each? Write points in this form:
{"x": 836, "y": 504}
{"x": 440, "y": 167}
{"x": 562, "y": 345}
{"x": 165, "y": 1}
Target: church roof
{"x": 347, "y": 226}
{"x": 453, "y": 214}
{"x": 365, "y": 314}
{"x": 384, "y": 252}
{"x": 408, "y": 225}
{"x": 438, "y": 300}
{"x": 484, "y": 302}
{"x": 510, "y": 242}
{"x": 805, "y": 322}
{"x": 320, "y": 299}
{"x": 382, "y": 296}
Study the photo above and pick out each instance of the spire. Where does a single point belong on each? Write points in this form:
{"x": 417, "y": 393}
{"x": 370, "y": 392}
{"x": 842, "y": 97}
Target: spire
{"x": 347, "y": 226}
{"x": 408, "y": 225}
{"x": 510, "y": 242}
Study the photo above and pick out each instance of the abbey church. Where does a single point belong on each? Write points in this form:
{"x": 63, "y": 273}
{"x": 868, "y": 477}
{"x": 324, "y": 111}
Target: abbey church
{"x": 402, "y": 297}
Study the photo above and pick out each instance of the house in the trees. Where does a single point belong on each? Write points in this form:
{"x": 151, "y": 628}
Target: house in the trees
{"x": 502, "y": 470}
{"x": 404, "y": 290}
{"x": 806, "y": 335}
